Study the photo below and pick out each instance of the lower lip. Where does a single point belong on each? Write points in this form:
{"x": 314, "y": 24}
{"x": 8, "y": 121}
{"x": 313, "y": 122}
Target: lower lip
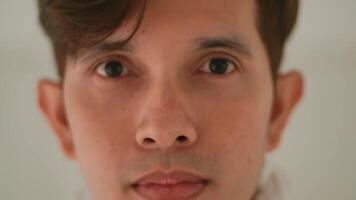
{"x": 182, "y": 190}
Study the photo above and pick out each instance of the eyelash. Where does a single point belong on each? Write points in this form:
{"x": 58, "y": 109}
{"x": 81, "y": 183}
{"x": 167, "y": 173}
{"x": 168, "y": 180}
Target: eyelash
{"x": 229, "y": 61}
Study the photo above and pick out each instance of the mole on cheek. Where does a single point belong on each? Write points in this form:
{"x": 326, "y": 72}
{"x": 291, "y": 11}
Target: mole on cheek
{"x": 239, "y": 139}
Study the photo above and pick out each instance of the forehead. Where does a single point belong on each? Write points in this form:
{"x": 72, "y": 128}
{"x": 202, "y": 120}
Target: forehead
{"x": 195, "y": 18}
{"x": 189, "y": 8}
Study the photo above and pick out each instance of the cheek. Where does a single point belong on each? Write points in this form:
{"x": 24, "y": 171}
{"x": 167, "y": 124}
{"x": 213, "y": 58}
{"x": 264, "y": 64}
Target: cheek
{"x": 239, "y": 127}
{"x": 102, "y": 131}
{"x": 237, "y": 116}
{"x": 234, "y": 129}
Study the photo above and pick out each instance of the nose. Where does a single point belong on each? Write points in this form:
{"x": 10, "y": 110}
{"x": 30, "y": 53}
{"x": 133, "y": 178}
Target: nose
{"x": 164, "y": 122}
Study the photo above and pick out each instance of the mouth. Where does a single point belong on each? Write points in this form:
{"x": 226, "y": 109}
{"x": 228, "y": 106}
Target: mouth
{"x": 175, "y": 185}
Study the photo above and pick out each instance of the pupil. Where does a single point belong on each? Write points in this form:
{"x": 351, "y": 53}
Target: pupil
{"x": 218, "y": 66}
{"x": 113, "y": 68}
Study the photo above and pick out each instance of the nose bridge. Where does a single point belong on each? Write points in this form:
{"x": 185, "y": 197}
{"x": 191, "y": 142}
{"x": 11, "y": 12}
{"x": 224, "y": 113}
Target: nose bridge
{"x": 163, "y": 120}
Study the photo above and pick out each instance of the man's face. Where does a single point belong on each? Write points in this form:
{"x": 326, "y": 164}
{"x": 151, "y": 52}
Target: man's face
{"x": 169, "y": 109}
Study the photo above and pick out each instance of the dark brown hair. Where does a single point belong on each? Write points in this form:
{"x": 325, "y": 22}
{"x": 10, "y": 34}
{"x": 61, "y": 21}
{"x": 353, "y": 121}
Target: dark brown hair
{"x": 74, "y": 24}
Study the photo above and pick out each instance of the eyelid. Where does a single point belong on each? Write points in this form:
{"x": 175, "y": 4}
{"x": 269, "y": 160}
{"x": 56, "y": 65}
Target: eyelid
{"x": 222, "y": 55}
{"x": 206, "y": 64}
{"x": 131, "y": 67}
{"x": 98, "y": 67}
{"x": 102, "y": 60}
{"x": 124, "y": 61}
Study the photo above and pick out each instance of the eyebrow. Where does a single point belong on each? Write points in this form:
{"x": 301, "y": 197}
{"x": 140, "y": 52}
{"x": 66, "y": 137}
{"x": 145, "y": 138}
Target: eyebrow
{"x": 229, "y": 42}
{"x": 113, "y": 46}
{"x": 200, "y": 43}
{"x": 106, "y": 47}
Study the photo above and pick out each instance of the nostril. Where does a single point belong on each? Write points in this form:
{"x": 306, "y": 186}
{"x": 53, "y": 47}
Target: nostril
{"x": 182, "y": 138}
{"x": 148, "y": 140}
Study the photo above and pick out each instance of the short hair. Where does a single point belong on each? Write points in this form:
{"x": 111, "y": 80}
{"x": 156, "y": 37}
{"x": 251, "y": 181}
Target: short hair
{"x": 74, "y": 24}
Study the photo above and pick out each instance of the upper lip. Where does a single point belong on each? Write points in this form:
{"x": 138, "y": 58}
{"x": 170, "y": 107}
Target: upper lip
{"x": 170, "y": 178}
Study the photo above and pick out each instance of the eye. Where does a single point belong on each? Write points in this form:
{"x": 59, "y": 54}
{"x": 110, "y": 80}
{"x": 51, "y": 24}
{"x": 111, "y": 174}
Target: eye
{"x": 111, "y": 69}
{"x": 219, "y": 66}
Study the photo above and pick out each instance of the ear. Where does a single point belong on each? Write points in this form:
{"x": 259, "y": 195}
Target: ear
{"x": 288, "y": 91}
{"x": 50, "y": 102}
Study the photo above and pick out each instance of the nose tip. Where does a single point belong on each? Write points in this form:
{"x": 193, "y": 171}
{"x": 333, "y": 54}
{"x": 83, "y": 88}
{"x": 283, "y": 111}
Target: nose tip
{"x": 164, "y": 119}
{"x": 165, "y": 140}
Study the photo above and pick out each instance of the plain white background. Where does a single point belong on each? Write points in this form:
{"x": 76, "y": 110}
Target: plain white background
{"x": 318, "y": 151}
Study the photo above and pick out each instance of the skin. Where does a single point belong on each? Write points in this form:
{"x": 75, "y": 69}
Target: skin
{"x": 230, "y": 121}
